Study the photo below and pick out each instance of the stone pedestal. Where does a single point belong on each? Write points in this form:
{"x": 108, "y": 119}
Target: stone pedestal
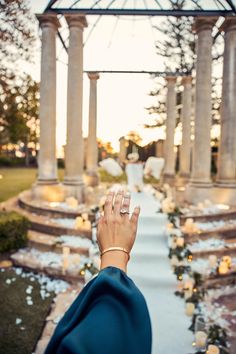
{"x": 200, "y": 181}
{"x": 185, "y": 148}
{"x": 123, "y": 150}
{"x": 74, "y": 155}
{"x": 91, "y": 176}
{"x": 169, "y": 154}
{"x": 226, "y": 177}
{"x": 47, "y": 163}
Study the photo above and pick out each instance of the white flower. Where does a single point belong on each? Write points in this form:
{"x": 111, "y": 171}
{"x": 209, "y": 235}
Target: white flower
{"x": 167, "y": 206}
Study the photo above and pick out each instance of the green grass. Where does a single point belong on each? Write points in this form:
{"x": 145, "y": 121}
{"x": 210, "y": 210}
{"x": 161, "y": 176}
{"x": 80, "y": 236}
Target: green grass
{"x": 21, "y": 338}
{"x": 16, "y": 180}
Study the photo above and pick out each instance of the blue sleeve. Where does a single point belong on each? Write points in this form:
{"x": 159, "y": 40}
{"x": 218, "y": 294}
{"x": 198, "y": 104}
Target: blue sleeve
{"x": 109, "y": 316}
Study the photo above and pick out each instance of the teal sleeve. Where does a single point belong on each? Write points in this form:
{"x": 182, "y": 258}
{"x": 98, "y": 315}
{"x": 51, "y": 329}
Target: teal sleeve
{"x": 109, "y": 316}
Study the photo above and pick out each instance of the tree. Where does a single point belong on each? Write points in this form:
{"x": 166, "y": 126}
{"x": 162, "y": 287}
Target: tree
{"x": 178, "y": 48}
{"x": 19, "y": 114}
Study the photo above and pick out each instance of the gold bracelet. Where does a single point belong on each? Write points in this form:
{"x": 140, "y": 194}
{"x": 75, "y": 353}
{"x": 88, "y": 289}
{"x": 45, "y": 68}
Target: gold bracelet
{"x": 110, "y": 249}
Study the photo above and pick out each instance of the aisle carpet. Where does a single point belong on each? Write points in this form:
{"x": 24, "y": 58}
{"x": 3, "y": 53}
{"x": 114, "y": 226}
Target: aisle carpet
{"x": 150, "y": 269}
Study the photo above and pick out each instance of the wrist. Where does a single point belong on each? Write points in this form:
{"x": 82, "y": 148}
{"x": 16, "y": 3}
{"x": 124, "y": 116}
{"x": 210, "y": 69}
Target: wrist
{"x": 117, "y": 259}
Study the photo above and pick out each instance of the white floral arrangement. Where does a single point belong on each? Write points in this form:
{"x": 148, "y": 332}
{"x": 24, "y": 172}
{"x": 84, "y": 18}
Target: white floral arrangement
{"x": 168, "y": 205}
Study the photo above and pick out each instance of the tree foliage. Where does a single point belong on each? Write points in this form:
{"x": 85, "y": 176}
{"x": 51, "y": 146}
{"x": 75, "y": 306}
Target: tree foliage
{"x": 178, "y": 49}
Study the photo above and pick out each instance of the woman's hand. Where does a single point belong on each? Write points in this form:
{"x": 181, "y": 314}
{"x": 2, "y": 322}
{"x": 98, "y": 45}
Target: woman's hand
{"x": 116, "y": 229}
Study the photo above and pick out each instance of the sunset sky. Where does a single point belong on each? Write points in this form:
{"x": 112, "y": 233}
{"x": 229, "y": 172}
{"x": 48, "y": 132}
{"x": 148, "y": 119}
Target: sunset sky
{"x": 122, "y": 44}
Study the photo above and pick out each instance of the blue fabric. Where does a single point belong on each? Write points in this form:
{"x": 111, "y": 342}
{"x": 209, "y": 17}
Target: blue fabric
{"x": 109, "y": 316}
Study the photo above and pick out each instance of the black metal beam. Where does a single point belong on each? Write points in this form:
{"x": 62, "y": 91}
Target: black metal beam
{"x": 142, "y": 12}
{"x": 231, "y": 4}
{"x": 157, "y": 73}
{"x": 50, "y": 4}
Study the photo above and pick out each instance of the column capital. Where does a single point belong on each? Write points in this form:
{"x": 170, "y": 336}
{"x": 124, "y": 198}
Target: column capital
{"x": 171, "y": 80}
{"x": 204, "y": 23}
{"x": 75, "y": 20}
{"x": 187, "y": 80}
{"x": 229, "y": 24}
{"x": 93, "y": 75}
{"x": 48, "y": 20}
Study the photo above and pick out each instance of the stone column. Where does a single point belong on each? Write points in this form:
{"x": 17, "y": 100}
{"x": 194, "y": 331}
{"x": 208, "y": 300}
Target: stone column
{"x": 185, "y": 148}
{"x": 201, "y": 169}
{"x": 227, "y": 152}
{"x": 159, "y": 148}
{"x": 47, "y": 163}
{"x": 123, "y": 150}
{"x": 74, "y": 156}
{"x": 169, "y": 154}
{"x": 92, "y": 147}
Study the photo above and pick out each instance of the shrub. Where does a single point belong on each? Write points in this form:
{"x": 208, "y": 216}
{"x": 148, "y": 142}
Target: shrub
{"x": 13, "y": 231}
{"x": 106, "y": 177}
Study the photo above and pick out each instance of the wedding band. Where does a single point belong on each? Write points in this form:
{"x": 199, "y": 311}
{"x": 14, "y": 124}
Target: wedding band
{"x": 124, "y": 211}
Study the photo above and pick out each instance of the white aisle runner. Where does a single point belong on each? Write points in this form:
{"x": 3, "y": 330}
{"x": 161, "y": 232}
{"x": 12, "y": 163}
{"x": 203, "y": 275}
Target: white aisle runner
{"x": 150, "y": 269}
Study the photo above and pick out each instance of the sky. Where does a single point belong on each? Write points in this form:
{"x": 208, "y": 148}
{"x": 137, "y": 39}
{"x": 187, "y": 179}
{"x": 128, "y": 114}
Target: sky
{"x": 122, "y": 44}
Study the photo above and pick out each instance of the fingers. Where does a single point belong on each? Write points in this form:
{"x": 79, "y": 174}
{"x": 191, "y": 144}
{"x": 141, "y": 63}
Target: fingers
{"x": 108, "y": 204}
{"x": 135, "y": 216}
{"x": 118, "y": 202}
{"x": 126, "y": 205}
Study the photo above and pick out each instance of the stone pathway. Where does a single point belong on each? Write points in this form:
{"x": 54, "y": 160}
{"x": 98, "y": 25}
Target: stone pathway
{"x": 150, "y": 269}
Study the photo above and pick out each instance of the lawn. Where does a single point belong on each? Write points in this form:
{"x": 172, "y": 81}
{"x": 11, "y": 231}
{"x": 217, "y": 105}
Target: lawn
{"x": 15, "y": 180}
{"x": 22, "y": 321}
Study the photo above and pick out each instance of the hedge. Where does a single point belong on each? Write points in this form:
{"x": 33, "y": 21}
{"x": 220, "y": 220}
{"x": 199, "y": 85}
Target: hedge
{"x": 13, "y": 231}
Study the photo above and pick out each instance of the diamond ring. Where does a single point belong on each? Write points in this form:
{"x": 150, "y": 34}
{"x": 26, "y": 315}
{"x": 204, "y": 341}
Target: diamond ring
{"x": 124, "y": 211}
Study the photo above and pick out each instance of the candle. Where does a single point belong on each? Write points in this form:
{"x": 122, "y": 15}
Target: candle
{"x": 85, "y": 216}
{"x": 75, "y": 259}
{"x": 228, "y": 260}
{"x": 200, "y": 339}
{"x": 189, "y": 309}
{"x": 72, "y": 202}
{"x": 180, "y": 241}
{"x": 87, "y": 224}
{"x": 190, "y": 226}
{"x": 223, "y": 267}
{"x": 188, "y": 284}
{"x": 213, "y": 349}
{"x": 212, "y": 260}
{"x": 65, "y": 258}
{"x": 78, "y": 222}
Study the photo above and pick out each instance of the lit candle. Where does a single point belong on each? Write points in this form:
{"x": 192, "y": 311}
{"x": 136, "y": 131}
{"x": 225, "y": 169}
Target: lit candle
{"x": 180, "y": 241}
{"x": 72, "y": 202}
{"x": 213, "y": 349}
{"x": 223, "y": 267}
{"x": 188, "y": 284}
{"x": 78, "y": 222}
{"x": 200, "y": 339}
{"x": 85, "y": 216}
{"x": 228, "y": 260}
{"x": 65, "y": 258}
{"x": 189, "y": 309}
{"x": 212, "y": 260}
{"x": 87, "y": 225}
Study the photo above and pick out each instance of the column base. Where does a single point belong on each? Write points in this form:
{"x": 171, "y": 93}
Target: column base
{"x": 51, "y": 181}
{"x": 223, "y": 183}
{"x": 74, "y": 188}
{"x": 52, "y": 192}
{"x": 182, "y": 179}
{"x": 91, "y": 178}
{"x": 169, "y": 178}
{"x": 197, "y": 183}
{"x": 198, "y": 192}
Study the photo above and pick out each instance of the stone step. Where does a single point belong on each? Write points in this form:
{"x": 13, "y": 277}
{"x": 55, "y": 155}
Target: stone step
{"x": 49, "y": 243}
{"x": 33, "y": 206}
{"x": 226, "y": 232}
{"x": 219, "y": 216}
{"x": 29, "y": 260}
{"x": 45, "y": 224}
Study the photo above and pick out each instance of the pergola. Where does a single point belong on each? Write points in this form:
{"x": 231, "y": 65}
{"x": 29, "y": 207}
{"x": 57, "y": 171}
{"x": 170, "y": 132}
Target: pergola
{"x": 206, "y": 14}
